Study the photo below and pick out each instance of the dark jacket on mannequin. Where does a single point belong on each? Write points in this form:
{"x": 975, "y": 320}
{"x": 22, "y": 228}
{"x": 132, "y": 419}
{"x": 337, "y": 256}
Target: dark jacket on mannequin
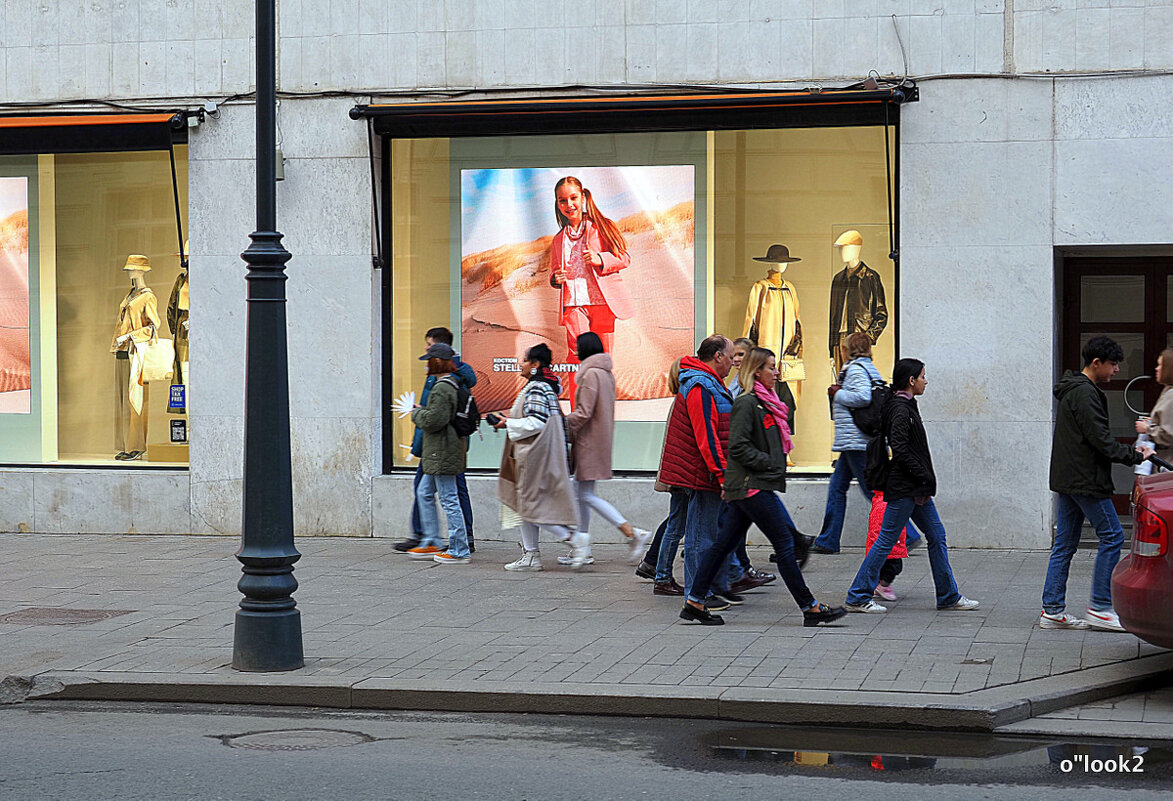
{"x": 863, "y": 295}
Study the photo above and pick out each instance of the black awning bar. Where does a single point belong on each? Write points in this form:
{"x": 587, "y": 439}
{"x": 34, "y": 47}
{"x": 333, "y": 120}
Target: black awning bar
{"x": 90, "y": 133}
{"x": 735, "y": 109}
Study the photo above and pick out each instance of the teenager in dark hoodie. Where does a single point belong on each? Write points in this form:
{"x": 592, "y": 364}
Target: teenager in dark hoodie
{"x": 1082, "y": 453}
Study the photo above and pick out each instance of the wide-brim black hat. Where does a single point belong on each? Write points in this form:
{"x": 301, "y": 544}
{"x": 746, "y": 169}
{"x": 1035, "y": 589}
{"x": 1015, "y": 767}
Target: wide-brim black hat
{"x": 777, "y": 254}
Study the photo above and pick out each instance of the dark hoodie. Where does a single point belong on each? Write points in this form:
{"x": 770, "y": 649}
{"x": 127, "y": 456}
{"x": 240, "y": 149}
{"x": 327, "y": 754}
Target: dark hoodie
{"x": 1083, "y": 449}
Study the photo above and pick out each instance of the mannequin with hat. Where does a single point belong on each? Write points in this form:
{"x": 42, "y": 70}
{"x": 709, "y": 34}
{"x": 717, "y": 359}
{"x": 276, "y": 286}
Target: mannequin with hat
{"x": 177, "y": 319}
{"x": 138, "y": 322}
{"x": 772, "y": 321}
{"x": 857, "y": 298}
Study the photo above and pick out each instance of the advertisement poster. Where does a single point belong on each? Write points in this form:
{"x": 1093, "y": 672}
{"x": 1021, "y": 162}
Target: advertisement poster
{"x": 15, "y": 365}
{"x": 638, "y": 295}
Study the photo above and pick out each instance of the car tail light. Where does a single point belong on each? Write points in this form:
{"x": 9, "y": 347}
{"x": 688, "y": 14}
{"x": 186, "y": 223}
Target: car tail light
{"x": 1151, "y": 534}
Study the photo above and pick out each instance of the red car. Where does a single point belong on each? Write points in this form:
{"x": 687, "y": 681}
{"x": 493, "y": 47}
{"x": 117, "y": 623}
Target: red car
{"x": 1142, "y": 584}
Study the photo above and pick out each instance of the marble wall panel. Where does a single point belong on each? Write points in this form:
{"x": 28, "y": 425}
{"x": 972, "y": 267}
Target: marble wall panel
{"x": 331, "y": 476}
{"x": 218, "y": 319}
{"x": 993, "y": 484}
{"x": 221, "y": 205}
{"x": 985, "y": 110}
{"x": 216, "y": 507}
{"x": 975, "y": 193}
{"x": 319, "y": 210}
{"x": 217, "y": 447}
{"x": 994, "y": 305}
{"x": 330, "y": 336}
{"x": 17, "y": 507}
{"x": 110, "y": 502}
{"x": 1113, "y": 191}
{"x": 1114, "y": 108}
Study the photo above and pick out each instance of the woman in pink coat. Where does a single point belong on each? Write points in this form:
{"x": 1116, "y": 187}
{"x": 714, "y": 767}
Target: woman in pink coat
{"x": 586, "y": 256}
{"x": 592, "y": 432}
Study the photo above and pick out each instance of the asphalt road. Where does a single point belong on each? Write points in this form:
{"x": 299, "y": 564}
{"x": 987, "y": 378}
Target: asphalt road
{"x": 82, "y": 751}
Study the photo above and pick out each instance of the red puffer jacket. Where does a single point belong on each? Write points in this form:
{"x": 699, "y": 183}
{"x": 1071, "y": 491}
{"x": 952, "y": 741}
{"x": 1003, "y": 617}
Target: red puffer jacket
{"x": 697, "y": 438}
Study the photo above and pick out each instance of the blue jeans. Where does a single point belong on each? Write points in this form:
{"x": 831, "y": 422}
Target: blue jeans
{"x": 896, "y": 516}
{"x": 700, "y": 532}
{"x": 673, "y": 531}
{"x": 425, "y": 500}
{"x": 1102, "y": 515}
{"x": 849, "y": 465}
{"x": 465, "y": 504}
{"x": 768, "y": 512}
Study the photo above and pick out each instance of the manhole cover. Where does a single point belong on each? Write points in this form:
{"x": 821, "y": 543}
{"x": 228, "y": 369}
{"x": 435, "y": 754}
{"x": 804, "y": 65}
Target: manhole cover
{"x": 60, "y": 616}
{"x": 296, "y": 739}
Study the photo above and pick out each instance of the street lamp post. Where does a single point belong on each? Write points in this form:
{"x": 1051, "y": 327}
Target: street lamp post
{"x": 268, "y": 624}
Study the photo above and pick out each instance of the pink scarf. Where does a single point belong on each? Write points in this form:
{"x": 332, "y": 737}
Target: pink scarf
{"x": 777, "y": 410}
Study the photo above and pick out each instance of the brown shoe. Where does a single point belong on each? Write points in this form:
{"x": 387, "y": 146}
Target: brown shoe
{"x": 669, "y": 587}
{"x": 747, "y": 582}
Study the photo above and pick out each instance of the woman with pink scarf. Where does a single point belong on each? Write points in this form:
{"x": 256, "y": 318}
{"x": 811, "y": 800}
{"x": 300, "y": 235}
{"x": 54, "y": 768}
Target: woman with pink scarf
{"x": 759, "y": 440}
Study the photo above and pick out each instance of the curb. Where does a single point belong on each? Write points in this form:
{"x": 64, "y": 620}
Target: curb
{"x": 979, "y": 711}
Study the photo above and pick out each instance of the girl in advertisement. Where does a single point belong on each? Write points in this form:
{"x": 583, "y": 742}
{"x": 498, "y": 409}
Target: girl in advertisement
{"x": 586, "y": 256}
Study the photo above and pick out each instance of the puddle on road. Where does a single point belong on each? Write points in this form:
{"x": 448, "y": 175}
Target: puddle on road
{"x": 879, "y": 751}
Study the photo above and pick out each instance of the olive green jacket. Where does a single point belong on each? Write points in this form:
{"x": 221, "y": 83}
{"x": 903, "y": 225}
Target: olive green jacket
{"x": 756, "y": 458}
{"x": 443, "y": 449}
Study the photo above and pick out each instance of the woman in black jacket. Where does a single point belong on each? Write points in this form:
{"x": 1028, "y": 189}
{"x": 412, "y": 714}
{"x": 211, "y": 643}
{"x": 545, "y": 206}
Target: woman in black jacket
{"x": 908, "y": 491}
{"x": 759, "y": 440}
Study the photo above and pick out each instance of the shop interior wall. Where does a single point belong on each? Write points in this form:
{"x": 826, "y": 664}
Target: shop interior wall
{"x": 420, "y": 279}
{"x": 802, "y": 188}
{"x": 109, "y": 205}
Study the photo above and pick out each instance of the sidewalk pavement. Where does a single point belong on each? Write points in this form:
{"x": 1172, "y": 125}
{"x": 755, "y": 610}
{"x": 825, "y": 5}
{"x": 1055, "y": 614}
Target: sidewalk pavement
{"x": 382, "y": 631}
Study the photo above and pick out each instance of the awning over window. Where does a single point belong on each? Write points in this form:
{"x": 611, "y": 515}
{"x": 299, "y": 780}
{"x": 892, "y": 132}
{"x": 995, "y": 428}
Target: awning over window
{"x": 625, "y": 113}
{"x": 90, "y": 133}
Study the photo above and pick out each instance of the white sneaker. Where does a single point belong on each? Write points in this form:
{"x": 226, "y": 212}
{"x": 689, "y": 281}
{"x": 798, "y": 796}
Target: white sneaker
{"x": 1104, "y": 620}
{"x": 1061, "y": 620}
{"x": 580, "y": 549}
{"x": 868, "y": 607}
{"x": 568, "y": 560}
{"x": 529, "y": 561}
{"x": 963, "y": 605}
{"x": 639, "y": 545}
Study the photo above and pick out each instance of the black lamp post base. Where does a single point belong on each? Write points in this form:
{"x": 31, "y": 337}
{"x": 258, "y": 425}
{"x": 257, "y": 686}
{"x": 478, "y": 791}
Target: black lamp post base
{"x": 267, "y": 642}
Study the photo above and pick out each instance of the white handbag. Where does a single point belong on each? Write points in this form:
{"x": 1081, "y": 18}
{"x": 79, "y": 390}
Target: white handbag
{"x": 158, "y": 360}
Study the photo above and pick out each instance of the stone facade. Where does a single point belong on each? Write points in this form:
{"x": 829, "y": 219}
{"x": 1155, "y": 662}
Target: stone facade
{"x": 1009, "y": 153}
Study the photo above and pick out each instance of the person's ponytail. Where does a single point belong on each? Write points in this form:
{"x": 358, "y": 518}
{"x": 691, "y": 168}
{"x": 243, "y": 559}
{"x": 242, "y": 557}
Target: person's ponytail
{"x": 610, "y": 237}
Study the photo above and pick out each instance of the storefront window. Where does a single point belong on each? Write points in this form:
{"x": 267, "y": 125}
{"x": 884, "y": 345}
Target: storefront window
{"x": 94, "y": 305}
{"x": 690, "y": 232}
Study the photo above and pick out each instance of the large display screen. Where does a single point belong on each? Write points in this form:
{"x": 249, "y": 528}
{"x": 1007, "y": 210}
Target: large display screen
{"x": 15, "y": 362}
{"x": 527, "y": 277}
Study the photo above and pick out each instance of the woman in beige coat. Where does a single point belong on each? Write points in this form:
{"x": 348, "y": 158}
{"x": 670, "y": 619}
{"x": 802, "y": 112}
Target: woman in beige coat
{"x": 592, "y": 431}
{"x": 534, "y": 482}
{"x": 1159, "y": 424}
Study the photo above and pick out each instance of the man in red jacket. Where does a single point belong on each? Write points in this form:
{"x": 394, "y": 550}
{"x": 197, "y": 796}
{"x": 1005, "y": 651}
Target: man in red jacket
{"x": 696, "y": 443}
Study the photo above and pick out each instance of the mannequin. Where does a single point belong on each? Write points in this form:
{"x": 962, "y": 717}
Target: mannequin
{"x": 138, "y": 322}
{"x": 772, "y": 315}
{"x": 857, "y": 298}
{"x": 177, "y": 320}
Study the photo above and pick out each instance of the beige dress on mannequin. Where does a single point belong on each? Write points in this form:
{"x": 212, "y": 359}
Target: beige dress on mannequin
{"x": 779, "y": 325}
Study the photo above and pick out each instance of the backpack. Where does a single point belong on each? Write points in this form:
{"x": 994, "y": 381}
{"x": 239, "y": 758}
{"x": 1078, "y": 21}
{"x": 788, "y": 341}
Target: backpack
{"x": 867, "y": 418}
{"x": 467, "y": 417}
{"x": 878, "y": 465}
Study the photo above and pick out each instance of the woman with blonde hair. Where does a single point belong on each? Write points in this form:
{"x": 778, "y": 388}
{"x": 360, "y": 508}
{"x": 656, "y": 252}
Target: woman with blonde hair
{"x": 759, "y": 440}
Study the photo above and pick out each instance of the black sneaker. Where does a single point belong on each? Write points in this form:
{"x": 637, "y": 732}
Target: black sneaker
{"x": 822, "y": 614}
{"x": 403, "y": 546}
{"x": 731, "y": 597}
{"x": 702, "y": 616}
{"x": 715, "y": 603}
{"x": 646, "y": 571}
{"x": 472, "y": 546}
{"x": 821, "y": 549}
{"x": 802, "y": 548}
